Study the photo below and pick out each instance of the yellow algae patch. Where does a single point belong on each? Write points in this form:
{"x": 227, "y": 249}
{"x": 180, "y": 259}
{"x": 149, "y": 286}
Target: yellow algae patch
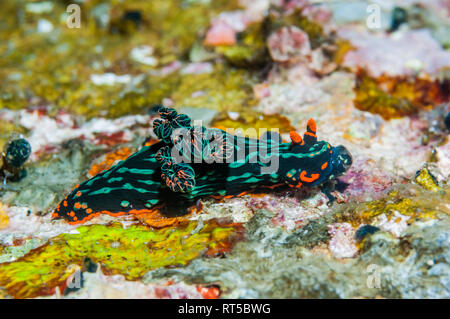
{"x": 393, "y": 97}
{"x": 426, "y": 180}
{"x": 6, "y": 129}
{"x": 254, "y": 124}
{"x": 129, "y": 251}
{"x": 418, "y": 206}
{"x": 250, "y": 50}
{"x": 61, "y": 74}
{"x": 4, "y": 220}
{"x": 343, "y": 47}
{"x": 223, "y": 89}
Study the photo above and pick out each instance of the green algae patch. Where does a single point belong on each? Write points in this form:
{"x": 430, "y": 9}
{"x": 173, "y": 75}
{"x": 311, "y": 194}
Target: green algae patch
{"x": 131, "y": 252}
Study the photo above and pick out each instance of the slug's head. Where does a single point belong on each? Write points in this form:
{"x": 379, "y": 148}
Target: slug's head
{"x": 312, "y": 162}
{"x": 341, "y": 160}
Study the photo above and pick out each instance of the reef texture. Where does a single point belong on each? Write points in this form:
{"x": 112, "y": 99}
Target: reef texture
{"x": 84, "y": 99}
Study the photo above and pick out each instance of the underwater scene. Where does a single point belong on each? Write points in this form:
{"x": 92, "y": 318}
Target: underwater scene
{"x": 224, "y": 149}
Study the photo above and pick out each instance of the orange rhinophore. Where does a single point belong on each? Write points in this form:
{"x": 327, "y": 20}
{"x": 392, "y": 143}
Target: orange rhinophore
{"x": 295, "y": 137}
{"x": 311, "y": 126}
{"x": 310, "y": 136}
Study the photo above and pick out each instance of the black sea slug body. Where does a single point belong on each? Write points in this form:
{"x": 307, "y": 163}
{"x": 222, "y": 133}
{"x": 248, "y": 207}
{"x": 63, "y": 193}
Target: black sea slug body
{"x": 191, "y": 162}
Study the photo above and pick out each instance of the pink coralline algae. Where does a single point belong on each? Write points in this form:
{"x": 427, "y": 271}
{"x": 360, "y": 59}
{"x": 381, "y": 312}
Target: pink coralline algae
{"x": 288, "y": 44}
{"x": 316, "y": 13}
{"x": 366, "y": 181}
{"x": 292, "y": 212}
{"x": 443, "y": 156}
{"x": 197, "y": 68}
{"x": 396, "y": 54}
{"x": 227, "y": 24}
{"x": 220, "y": 34}
{"x": 402, "y": 135}
{"x": 261, "y": 90}
{"x": 342, "y": 243}
{"x": 238, "y": 20}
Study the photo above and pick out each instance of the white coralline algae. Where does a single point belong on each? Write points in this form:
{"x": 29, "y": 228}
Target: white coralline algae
{"x": 97, "y": 285}
{"x": 396, "y": 224}
{"x": 52, "y": 131}
{"x": 143, "y": 54}
{"x": 110, "y": 79}
{"x": 23, "y": 224}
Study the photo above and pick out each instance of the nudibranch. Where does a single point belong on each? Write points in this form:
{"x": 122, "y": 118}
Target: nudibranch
{"x": 190, "y": 162}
